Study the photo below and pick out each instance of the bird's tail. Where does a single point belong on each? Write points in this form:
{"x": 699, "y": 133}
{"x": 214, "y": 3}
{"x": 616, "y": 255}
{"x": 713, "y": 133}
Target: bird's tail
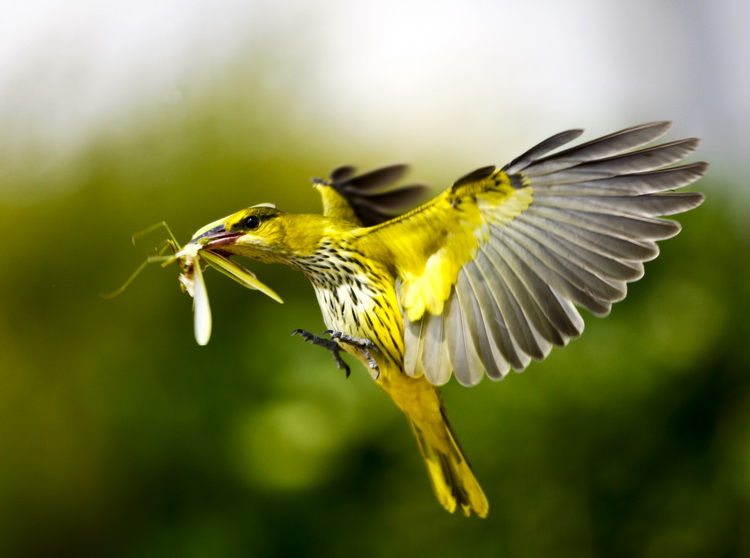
{"x": 450, "y": 474}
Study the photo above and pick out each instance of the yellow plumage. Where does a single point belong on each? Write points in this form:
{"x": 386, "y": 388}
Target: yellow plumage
{"x": 484, "y": 278}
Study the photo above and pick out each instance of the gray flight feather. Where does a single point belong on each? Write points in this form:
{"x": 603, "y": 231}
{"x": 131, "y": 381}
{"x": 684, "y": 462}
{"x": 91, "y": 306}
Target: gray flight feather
{"x": 593, "y": 220}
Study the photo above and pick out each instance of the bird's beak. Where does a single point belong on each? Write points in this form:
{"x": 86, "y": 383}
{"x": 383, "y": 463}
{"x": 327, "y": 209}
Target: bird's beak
{"x": 214, "y": 235}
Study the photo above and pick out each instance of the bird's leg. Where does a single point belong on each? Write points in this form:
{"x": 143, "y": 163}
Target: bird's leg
{"x": 364, "y": 345}
{"x": 329, "y": 344}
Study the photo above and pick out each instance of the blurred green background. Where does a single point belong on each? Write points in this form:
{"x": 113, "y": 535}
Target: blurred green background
{"x": 119, "y": 436}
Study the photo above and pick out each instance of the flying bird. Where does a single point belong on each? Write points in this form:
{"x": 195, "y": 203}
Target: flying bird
{"x": 485, "y": 278}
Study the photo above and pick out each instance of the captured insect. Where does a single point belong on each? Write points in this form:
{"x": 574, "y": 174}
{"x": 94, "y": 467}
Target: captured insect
{"x": 189, "y": 258}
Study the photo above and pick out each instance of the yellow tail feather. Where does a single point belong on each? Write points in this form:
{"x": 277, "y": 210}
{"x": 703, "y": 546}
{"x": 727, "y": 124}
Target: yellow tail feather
{"x": 450, "y": 474}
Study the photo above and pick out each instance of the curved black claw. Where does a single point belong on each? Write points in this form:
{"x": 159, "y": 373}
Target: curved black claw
{"x": 364, "y": 346}
{"x": 329, "y": 344}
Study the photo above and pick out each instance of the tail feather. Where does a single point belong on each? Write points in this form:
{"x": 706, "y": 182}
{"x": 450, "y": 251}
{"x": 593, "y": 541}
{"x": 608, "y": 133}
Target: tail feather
{"x": 450, "y": 474}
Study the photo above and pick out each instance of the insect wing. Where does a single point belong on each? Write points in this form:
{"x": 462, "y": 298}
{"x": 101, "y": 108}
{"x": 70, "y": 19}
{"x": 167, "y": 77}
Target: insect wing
{"x": 201, "y": 308}
{"x": 243, "y": 276}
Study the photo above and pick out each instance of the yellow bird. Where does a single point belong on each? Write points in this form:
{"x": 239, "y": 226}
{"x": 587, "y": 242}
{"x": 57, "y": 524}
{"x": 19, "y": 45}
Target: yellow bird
{"x": 482, "y": 279}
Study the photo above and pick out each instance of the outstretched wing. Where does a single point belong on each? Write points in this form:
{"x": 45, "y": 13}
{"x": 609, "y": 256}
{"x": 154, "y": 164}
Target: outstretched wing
{"x": 490, "y": 272}
{"x": 367, "y": 199}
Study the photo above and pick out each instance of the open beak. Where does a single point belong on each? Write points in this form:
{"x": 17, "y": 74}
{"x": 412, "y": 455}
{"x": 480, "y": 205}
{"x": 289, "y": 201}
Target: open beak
{"x": 215, "y": 237}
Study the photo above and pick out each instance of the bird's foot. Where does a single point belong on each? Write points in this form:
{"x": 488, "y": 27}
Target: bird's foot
{"x": 329, "y": 344}
{"x": 364, "y": 346}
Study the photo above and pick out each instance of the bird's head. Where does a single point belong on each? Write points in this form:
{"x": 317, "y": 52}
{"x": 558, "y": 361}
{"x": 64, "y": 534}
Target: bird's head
{"x": 262, "y": 233}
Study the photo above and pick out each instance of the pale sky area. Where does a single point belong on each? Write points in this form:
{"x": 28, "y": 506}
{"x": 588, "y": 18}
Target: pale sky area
{"x": 473, "y": 74}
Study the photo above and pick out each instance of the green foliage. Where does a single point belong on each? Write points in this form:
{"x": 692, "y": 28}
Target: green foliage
{"x": 121, "y": 437}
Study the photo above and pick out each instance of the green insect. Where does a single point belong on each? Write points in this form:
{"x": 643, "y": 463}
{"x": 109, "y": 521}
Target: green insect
{"x": 190, "y": 258}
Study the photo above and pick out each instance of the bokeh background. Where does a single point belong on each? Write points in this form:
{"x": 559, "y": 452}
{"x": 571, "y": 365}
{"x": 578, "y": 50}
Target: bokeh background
{"x": 119, "y": 436}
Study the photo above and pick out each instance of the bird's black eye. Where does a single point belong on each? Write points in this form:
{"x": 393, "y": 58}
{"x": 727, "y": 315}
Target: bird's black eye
{"x": 252, "y": 222}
